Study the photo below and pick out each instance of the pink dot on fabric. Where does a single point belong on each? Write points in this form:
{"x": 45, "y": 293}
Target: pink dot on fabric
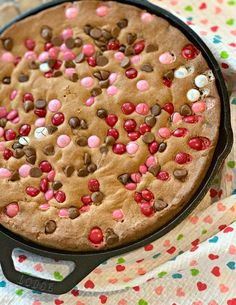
{"x": 199, "y": 107}
{"x": 131, "y": 186}
{"x": 12, "y": 209}
{"x": 1, "y": 131}
{"x": 12, "y": 114}
{"x": 112, "y": 78}
{"x": 142, "y": 85}
{"x": 44, "y": 56}
{"x": 135, "y": 59}
{"x": 132, "y": 148}
{"x": 117, "y": 215}
{"x": 164, "y": 132}
{"x": 119, "y": 56}
{"x": 71, "y": 12}
{"x": 30, "y": 56}
{"x": 176, "y": 117}
{"x": 63, "y": 213}
{"x": 69, "y": 55}
{"x": 69, "y": 72}
{"x": 87, "y": 82}
{"x": 48, "y": 195}
{"x": 88, "y": 49}
{"x": 136, "y": 177}
{"x": 51, "y": 175}
{"x": 2, "y": 146}
{"x": 44, "y": 206}
{"x": 102, "y": 11}
{"x": 3, "y": 112}
{"x": 90, "y": 101}
{"x": 24, "y": 170}
{"x": 7, "y": 57}
{"x": 4, "y": 173}
{"x": 67, "y": 33}
{"x": 93, "y": 141}
{"x": 112, "y": 90}
{"x": 142, "y": 108}
{"x": 63, "y": 141}
{"x": 151, "y": 160}
{"x": 54, "y": 105}
{"x": 16, "y": 120}
{"x": 143, "y": 169}
{"x": 13, "y": 95}
{"x": 166, "y": 58}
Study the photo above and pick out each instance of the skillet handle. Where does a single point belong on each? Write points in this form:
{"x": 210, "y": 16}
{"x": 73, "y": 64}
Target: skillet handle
{"x": 84, "y": 264}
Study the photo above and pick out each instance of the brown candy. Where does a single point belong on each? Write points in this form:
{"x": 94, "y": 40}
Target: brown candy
{"x": 83, "y": 124}
{"x": 56, "y": 185}
{"x": 150, "y": 120}
{"x": 96, "y": 91}
{"x": 125, "y": 63}
{"x": 69, "y": 64}
{"x": 73, "y": 212}
{"x": 29, "y": 151}
{"x": 92, "y": 168}
{"x": 69, "y": 170}
{"x": 82, "y": 141}
{"x": 15, "y": 176}
{"x": 57, "y": 41}
{"x": 162, "y": 147}
{"x": 7, "y": 43}
{"x": 18, "y": 153}
{"x": 50, "y": 226}
{"x": 95, "y": 33}
{"x": 104, "y": 83}
{"x": 169, "y": 75}
{"x": 147, "y": 68}
{"x": 87, "y": 159}
{"x": 46, "y": 33}
{"x": 156, "y": 109}
{"x": 148, "y": 137}
{"x": 102, "y": 61}
{"x": 70, "y": 43}
{"x": 185, "y": 110}
{"x": 74, "y": 78}
{"x": 111, "y": 237}
{"x": 151, "y": 48}
{"x": 180, "y": 174}
{"x": 17, "y": 145}
{"x": 80, "y": 58}
{"x": 6, "y": 80}
{"x": 124, "y": 178}
{"x": 159, "y": 205}
{"x": 78, "y": 42}
{"x": 87, "y": 29}
{"x": 28, "y": 105}
{"x": 110, "y": 141}
{"x": 74, "y": 122}
{"x": 49, "y": 150}
{"x": 35, "y": 172}
{"x": 131, "y": 37}
{"x": 82, "y": 172}
{"x": 106, "y": 34}
{"x": 40, "y": 104}
{"x": 23, "y": 78}
{"x": 102, "y": 113}
{"x": 57, "y": 73}
{"x": 31, "y": 159}
{"x": 104, "y": 74}
{"x": 154, "y": 169}
{"x": 129, "y": 51}
{"x": 97, "y": 197}
{"x": 122, "y": 23}
{"x": 3, "y": 122}
{"x": 51, "y": 129}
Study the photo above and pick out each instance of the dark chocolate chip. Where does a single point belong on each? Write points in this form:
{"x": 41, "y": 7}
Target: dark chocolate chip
{"x": 148, "y": 137}
{"x": 57, "y": 73}
{"x": 74, "y": 122}
{"x": 17, "y": 145}
{"x": 87, "y": 159}
{"x": 78, "y": 42}
{"x": 69, "y": 64}
{"x": 74, "y": 78}
{"x": 56, "y": 185}
{"x": 35, "y": 172}
{"x": 96, "y": 91}
{"x": 115, "y": 31}
{"x": 29, "y": 151}
{"x": 122, "y": 23}
{"x": 82, "y": 172}
{"x": 6, "y": 80}
{"x": 3, "y": 122}
{"x": 97, "y": 197}
{"x": 129, "y": 51}
{"x": 46, "y": 33}
{"x": 83, "y": 124}
{"x": 154, "y": 169}
{"x": 162, "y": 147}
{"x": 185, "y": 110}
{"x": 50, "y": 227}
{"x": 49, "y": 150}
{"x": 73, "y": 212}
{"x": 169, "y": 75}
{"x": 33, "y": 65}
{"x": 31, "y": 159}
{"x": 68, "y": 170}
{"x": 131, "y": 37}
{"x": 15, "y": 176}
{"x": 7, "y": 43}
{"x": 51, "y": 129}
{"x": 122, "y": 48}
{"x": 18, "y": 153}
{"x": 87, "y": 29}
{"x": 159, "y": 205}
{"x": 104, "y": 83}
{"x": 23, "y": 78}
{"x": 147, "y": 68}
{"x": 92, "y": 168}
{"x": 82, "y": 141}
{"x": 180, "y": 174}
{"x": 111, "y": 237}
{"x": 110, "y": 141}
{"x": 28, "y": 106}
{"x": 102, "y": 113}
{"x": 125, "y": 63}
{"x": 95, "y": 33}
{"x": 103, "y": 149}
{"x": 40, "y": 104}
{"x": 97, "y": 75}
{"x": 102, "y": 61}
{"x": 57, "y": 41}
{"x": 80, "y": 58}
{"x": 150, "y": 120}
{"x": 106, "y": 34}
{"x": 70, "y": 43}
{"x": 104, "y": 74}
{"x": 156, "y": 109}
{"x": 124, "y": 178}
{"x": 151, "y": 48}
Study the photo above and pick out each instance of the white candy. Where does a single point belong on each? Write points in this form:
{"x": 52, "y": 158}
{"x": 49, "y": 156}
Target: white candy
{"x": 183, "y": 72}
{"x": 44, "y": 67}
{"x": 210, "y": 75}
{"x": 193, "y": 95}
{"x": 40, "y": 132}
{"x": 201, "y": 81}
{"x": 24, "y": 140}
{"x": 205, "y": 92}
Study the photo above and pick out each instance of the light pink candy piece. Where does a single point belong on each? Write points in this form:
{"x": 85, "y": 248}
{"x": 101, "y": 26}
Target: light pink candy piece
{"x": 51, "y": 175}
{"x": 142, "y": 108}
{"x": 40, "y": 122}
{"x": 142, "y": 85}
{"x": 84, "y": 209}
{"x": 112, "y": 78}
{"x": 119, "y": 56}
{"x": 69, "y": 72}
{"x": 199, "y": 107}
{"x": 4, "y": 173}
{"x": 16, "y": 120}
{"x": 146, "y": 17}
{"x": 112, "y": 90}
{"x": 87, "y": 82}
{"x": 135, "y": 59}
{"x": 63, "y": 141}
{"x": 143, "y": 169}
{"x": 54, "y": 105}
{"x": 166, "y": 58}
{"x": 136, "y": 177}
{"x": 88, "y": 49}
{"x": 151, "y": 160}
{"x": 164, "y": 132}
{"x": 3, "y": 112}
{"x": 132, "y": 148}
{"x": 63, "y": 213}
{"x": 24, "y": 170}
{"x": 12, "y": 114}
{"x": 69, "y": 55}
{"x": 93, "y": 141}
{"x": 1, "y": 131}
{"x": 12, "y": 209}
{"x": 131, "y": 186}
{"x": 30, "y": 56}
{"x": 7, "y": 57}
{"x": 118, "y": 215}
{"x": 102, "y": 11}
{"x": 176, "y": 117}
{"x": 44, "y": 56}
{"x": 44, "y": 206}
{"x": 48, "y": 195}
{"x": 2, "y": 145}
{"x": 90, "y": 101}
{"x": 13, "y": 95}
{"x": 64, "y": 48}
{"x": 67, "y": 33}
{"x": 53, "y": 52}
{"x": 71, "y": 12}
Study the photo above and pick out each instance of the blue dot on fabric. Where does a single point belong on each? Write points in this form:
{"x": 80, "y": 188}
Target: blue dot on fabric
{"x": 231, "y": 265}
{"x": 214, "y": 239}
{"x": 177, "y": 276}
{"x": 3, "y": 284}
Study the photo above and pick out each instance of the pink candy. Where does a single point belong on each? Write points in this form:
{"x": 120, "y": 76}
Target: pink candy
{"x": 1, "y": 131}
{"x": 166, "y": 58}
{"x": 131, "y": 186}
{"x": 87, "y": 82}
{"x": 71, "y": 12}
{"x": 54, "y": 105}
{"x": 142, "y": 85}
{"x": 12, "y": 114}
{"x": 40, "y": 122}
{"x": 135, "y": 59}
{"x": 69, "y": 55}
{"x": 12, "y": 209}
{"x": 7, "y": 57}
{"x": 69, "y": 72}
{"x": 102, "y": 11}
{"x": 13, "y": 95}
{"x": 112, "y": 90}
{"x": 142, "y": 108}
{"x": 117, "y": 215}
{"x": 48, "y": 195}
{"x": 132, "y": 148}
{"x": 2, "y": 146}
{"x": 146, "y": 17}
{"x": 88, "y": 50}
{"x": 93, "y": 141}
{"x": 24, "y": 170}
{"x": 30, "y": 56}
{"x": 64, "y": 48}
{"x": 51, "y": 175}
{"x": 63, "y": 141}
{"x": 119, "y": 56}
{"x": 164, "y": 132}
{"x": 112, "y": 78}
{"x": 4, "y": 173}
{"x": 53, "y": 52}
{"x": 63, "y": 213}
{"x": 136, "y": 177}
{"x": 3, "y": 112}
{"x": 67, "y": 33}
{"x": 143, "y": 169}
{"x": 90, "y": 101}
{"x": 16, "y": 120}
{"x": 176, "y": 117}
{"x": 199, "y": 107}
{"x": 44, "y": 56}
{"x": 151, "y": 160}
{"x": 44, "y": 206}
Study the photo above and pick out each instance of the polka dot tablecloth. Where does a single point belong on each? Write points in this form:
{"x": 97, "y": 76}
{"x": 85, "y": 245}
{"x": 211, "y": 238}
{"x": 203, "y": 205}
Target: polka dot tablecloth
{"x": 195, "y": 264}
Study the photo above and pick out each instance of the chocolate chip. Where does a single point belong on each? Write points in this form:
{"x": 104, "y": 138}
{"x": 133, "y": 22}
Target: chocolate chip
{"x": 106, "y": 34}
{"x": 82, "y": 141}
{"x": 97, "y": 75}
{"x": 15, "y": 176}
{"x": 17, "y": 145}
{"x": 69, "y": 64}
{"x": 111, "y": 237}
{"x": 68, "y": 170}
{"x": 180, "y": 174}
{"x": 129, "y": 51}
{"x": 83, "y": 124}
{"x": 74, "y": 122}
{"x": 150, "y": 120}
{"x": 74, "y": 78}
{"x": 18, "y": 153}
{"x": 151, "y": 48}
{"x": 57, "y": 73}
{"x": 73, "y": 212}
{"x": 80, "y": 58}
{"x": 104, "y": 83}
{"x": 162, "y": 147}
{"x": 97, "y": 197}
{"x": 102, "y": 61}
{"x": 46, "y": 33}
{"x": 115, "y": 31}
{"x": 125, "y": 63}
{"x": 110, "y": 141}
{"x": 49, "y": 150}
{"x": 7, "y": 43}
{"x": 169, "y": 75}
{"x": 103, "y": 149}
{"x": 124, "y": 178}
{"x": 28, "y": 105}
{"x": 35, "y": 172}
{"x": 104, "y": 74}
{"x": 87, "y": 158}
{"x": 57, "y": 41}
{"x": 40, "y": 104}
{"x": 131, "y": 37}
{"x": 70, "y": 43}
{"x": 3, "y": 122}
{"x": 122, "y": 48}
{"x": 51, "y": 129}
{"x": 148, "y": 137}
{"x": 92, "y": 168}
{"x": 6, "y": 80}
{"x": 96, "y": 91}
{"x": 185, "y": 110}
{"x": 122, "y": 23}
{"x": 159, "y": 205}
{"x": 50, "y": 227}
{"x": 156, "y": 109}
{"x": 31, "y": 159}
{"x": 95, "y": 33}
{"x": 154, "y": 169}
{"x": 29, "y": 151}
{"x": 83, "y": 172}
{"x": 102, "y": 113}
{"x": 33, "y": 65}
{"x": 147, "y": 68}
{"x": 23, "y": 78}
{"x": 56, "y": 185}
{"x": 78, "y": 42}
{"x": 87, "y": 29}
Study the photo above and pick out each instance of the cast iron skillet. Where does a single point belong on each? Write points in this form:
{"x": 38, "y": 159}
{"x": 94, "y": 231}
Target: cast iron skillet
{"x": 86, "y": 262}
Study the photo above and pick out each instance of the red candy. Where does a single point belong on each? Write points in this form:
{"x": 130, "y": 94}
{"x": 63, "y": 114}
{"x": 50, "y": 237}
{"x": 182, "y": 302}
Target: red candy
{"x": 45, "y": 166}
{"x": 96, "y": 236}
{"x": 180, "y": 132}
{"x": 86, "y": 199}
{"x": 48, "y": 46}
{"x": 143, "y": 128}
{"x": 146, "y": 209}
{"x": 138, "y": 197}
{"x": 147, "y": 195}
{"x": 7, "y": 154}
{"x": 167, "y": 82}
{"x": 24, "y": 130}
{"x": 32, "y": 191}
{"x": 131, "y": 73}
{"x": 139, "y": 47}
{"x": 48, "y": 74}
{"x": 57, "y": 64}
{"x": 128, "y": 108}
{"x": 111, "y": 120}
{"x": 153, "y": 147}
{"x": 9, "y": 135}
{"x": 199, "y": 143}
{"x": 30, "y": 44}
{"x": 113, "y": 132}
{"x": 44, "y": 185}
{"x": 91, "y": 61}
{"x": 119, "y": 148}
{"x": 28, "y": 97}
{"x": 113, "y": 45}
{"x": 191, "y": 119}
{"x": 58, "y": 118}
{"x": 60, "y": 196}
{"x": 162, "y": 175}
{"x": 190, "y": 51}
{"x": 169, "y": 107}
{"x": 130, "y": 125}
{"x": 182, "y": 158}
{"x": 17, "y": 60}
{"x": 93, "y": 185}
{"x": 134, "y": 135}
{"x": 40, "y": 112}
